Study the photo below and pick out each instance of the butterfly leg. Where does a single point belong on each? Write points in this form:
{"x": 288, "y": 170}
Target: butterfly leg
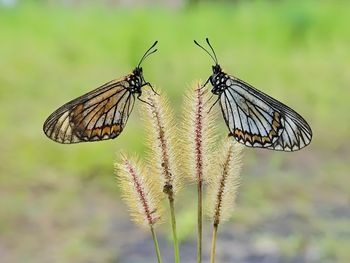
{"x": 150, "y": 85}
{"x": 205, "y": 84}
{"x": 211, "y": 96}
{"x": 138, "y": 97}
{"x": 214, "y": 103}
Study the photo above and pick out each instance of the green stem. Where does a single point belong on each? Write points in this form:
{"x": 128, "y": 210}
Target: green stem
{"x": 199, "y": 223}
{"x": 173, "y": 224}
{"x": 213, "y": 243}
{"x": 156, "y": 244}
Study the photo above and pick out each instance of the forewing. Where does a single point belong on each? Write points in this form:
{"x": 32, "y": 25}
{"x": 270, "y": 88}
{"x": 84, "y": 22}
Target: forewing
{"x": 98, "y": 115}
{"x": 257, "y": 120}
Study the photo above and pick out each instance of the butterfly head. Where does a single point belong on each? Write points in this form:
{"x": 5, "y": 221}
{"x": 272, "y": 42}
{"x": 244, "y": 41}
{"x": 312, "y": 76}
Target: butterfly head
{"x": 136, "y": 79}
{"x": 138, "y": 71}
{"x": 216, "y": 69}
{"x": 218, "y": 76}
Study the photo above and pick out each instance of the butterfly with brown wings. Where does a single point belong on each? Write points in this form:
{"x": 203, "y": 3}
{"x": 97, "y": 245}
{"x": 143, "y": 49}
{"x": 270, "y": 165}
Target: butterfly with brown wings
{"x": 100, "y": 114}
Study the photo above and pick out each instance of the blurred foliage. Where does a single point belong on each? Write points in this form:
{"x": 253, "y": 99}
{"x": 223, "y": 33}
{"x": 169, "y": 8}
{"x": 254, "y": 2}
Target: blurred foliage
{"x": 59, "y": 203}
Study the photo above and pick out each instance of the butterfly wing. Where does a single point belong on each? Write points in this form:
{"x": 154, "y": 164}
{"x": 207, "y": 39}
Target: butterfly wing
{"x": 258, "y": 120}
{"x": 98, "y": 115}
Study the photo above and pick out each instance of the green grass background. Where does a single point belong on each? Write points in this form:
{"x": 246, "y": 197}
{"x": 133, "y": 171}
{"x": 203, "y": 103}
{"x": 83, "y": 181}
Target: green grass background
{"x": 56, "y": 201}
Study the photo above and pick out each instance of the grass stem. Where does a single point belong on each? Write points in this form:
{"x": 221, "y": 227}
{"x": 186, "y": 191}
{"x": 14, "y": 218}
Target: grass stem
{"x": 213, "y": 243}
{"x": 199, "y": 223}
{"x": 173, "y": 225}
{"x": 156, "y": 244}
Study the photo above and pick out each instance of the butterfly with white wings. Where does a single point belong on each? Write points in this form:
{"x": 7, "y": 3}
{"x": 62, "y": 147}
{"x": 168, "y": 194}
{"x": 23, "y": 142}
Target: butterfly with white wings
{"x": 100, "y": 114}
{"x": 254, "y": 118}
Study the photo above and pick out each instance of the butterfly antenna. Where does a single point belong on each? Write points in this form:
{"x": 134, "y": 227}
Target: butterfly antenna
{"x": 214, "y": 58}
{"x": 147, "y": 53}
{"x": 212, "y": 49}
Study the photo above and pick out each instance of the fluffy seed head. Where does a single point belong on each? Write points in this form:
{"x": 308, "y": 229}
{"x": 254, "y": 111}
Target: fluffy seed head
{"x": 224, "y": 185}
{"x": 161, "y": 133}
{"x": 198, "y": 134}
{"x": 139, "y": 191}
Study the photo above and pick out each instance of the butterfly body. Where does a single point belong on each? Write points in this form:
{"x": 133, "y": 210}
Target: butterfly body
{"x": 100, "y": 114}
{"x": 219, "y": 80}
{"x": 254, "y": 118}
{"x": 136, "y": 81}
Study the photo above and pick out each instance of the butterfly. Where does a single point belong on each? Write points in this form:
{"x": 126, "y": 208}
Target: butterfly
{"x": 254, "y": 118}
{"x": 100, "y": 114}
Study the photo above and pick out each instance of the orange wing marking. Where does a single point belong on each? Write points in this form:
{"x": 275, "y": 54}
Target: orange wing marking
{"x": 257, "y": 138}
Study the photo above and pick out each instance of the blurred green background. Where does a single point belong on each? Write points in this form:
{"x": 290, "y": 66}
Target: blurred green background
{"x": 60, "y": 203}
